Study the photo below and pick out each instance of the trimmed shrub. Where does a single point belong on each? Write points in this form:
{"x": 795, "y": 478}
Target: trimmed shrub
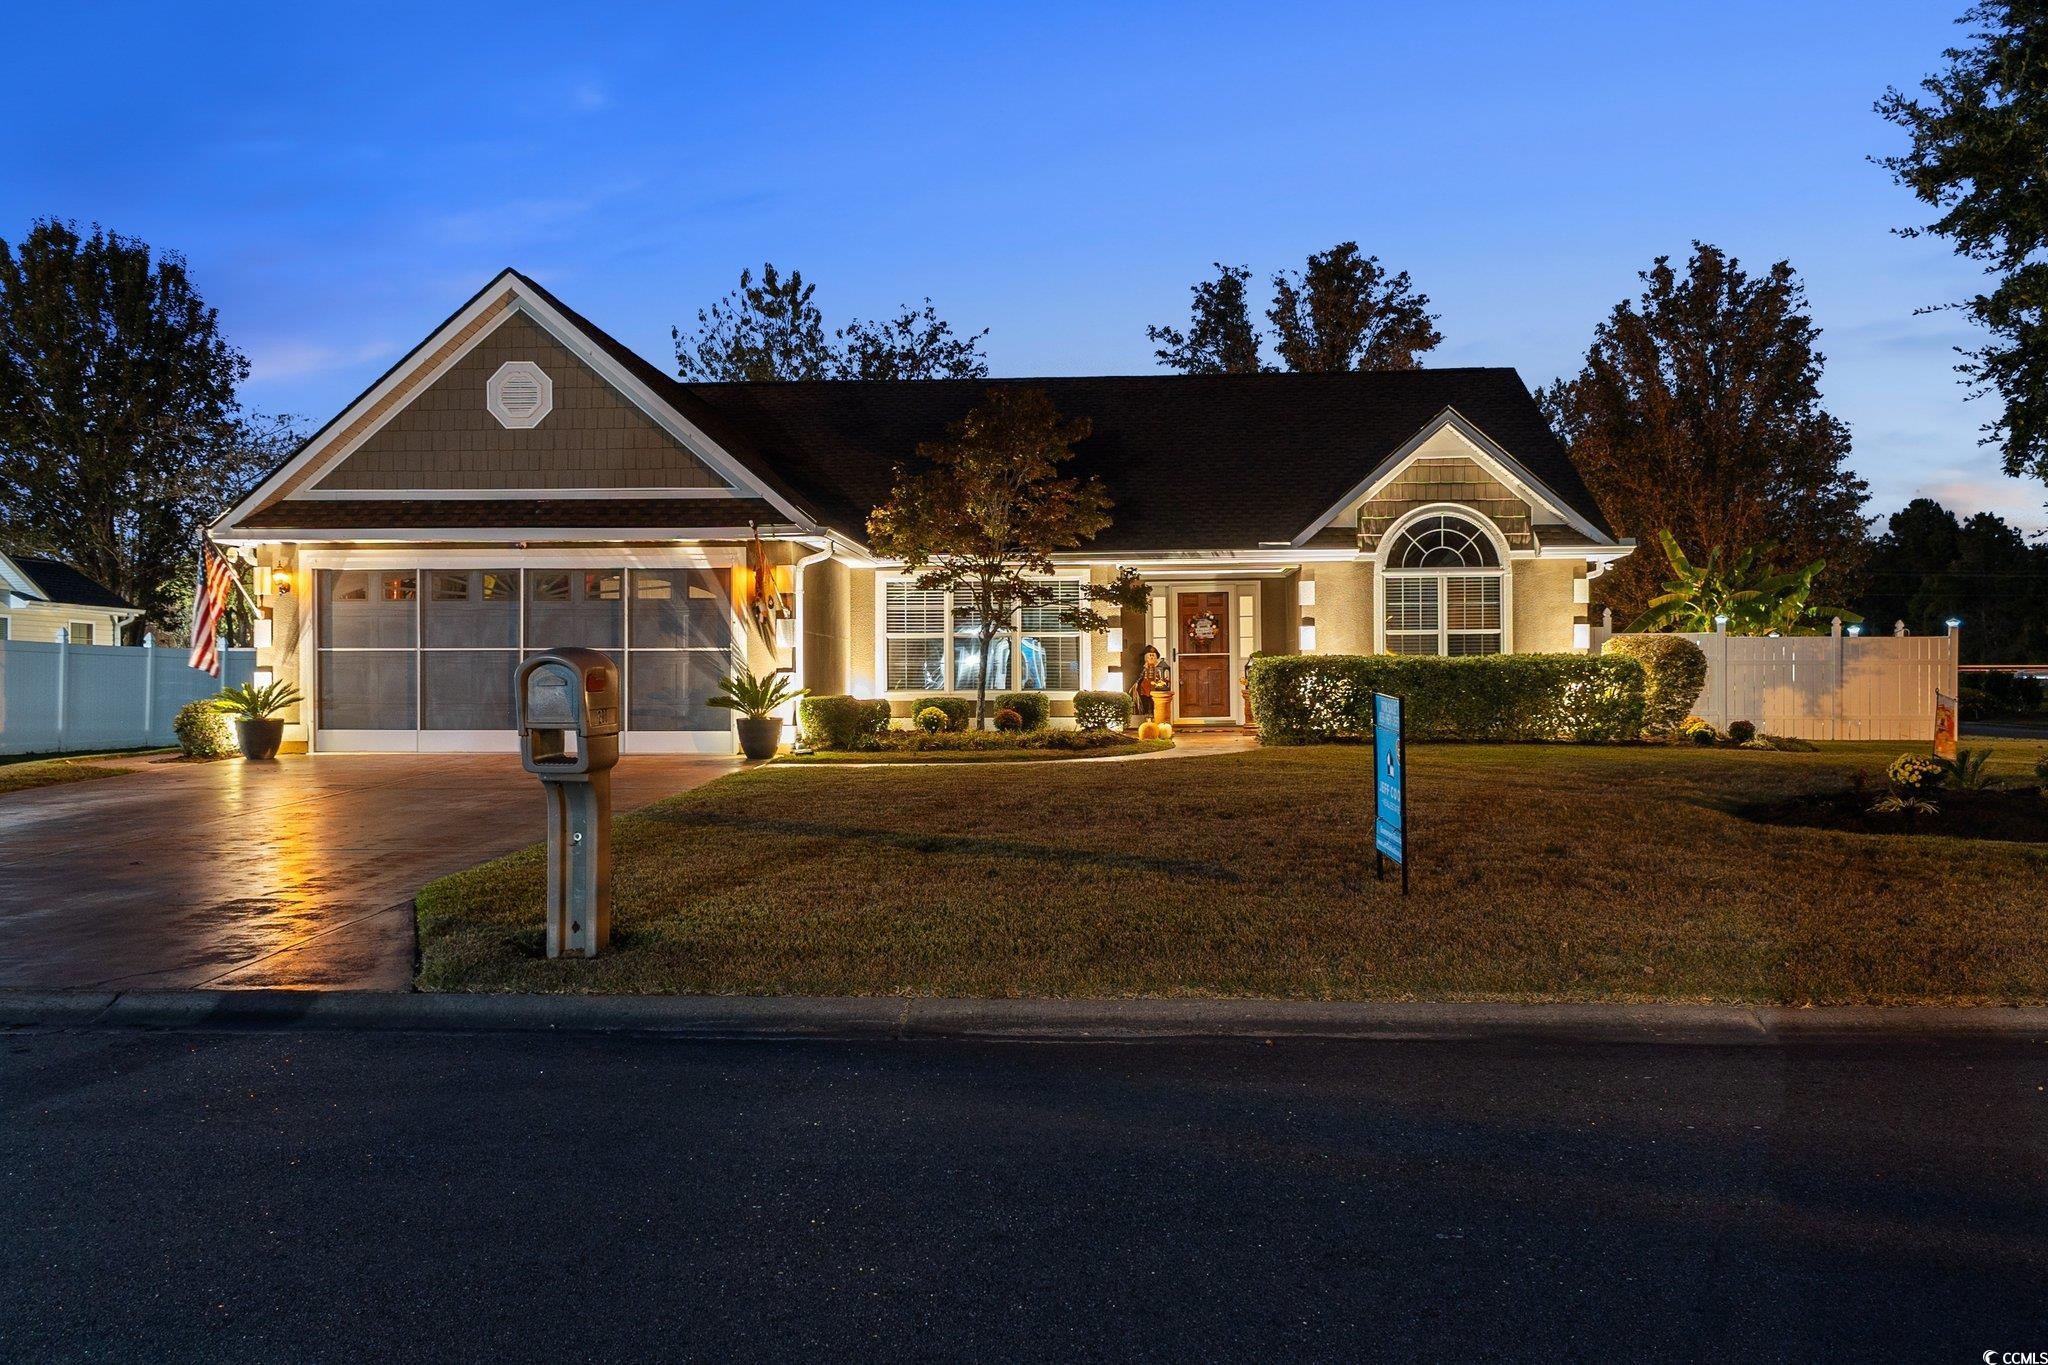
{"x": 1035, "y": 708}
{"x": 1741, "y": 731}
{"x": 1102, "y": 710}
{"x": 1008, "y": 719}
{"x": 842, "y": 722}
{"x": 982, "y": 741}
{"x": 203, "y": 731}
{"x": 1676, "y": 670}
{"x": 958, "y": 711}
{"x": 1699, "y": 730}
{"x": 931, "y": 720}
{"x": 1317, "y": 698}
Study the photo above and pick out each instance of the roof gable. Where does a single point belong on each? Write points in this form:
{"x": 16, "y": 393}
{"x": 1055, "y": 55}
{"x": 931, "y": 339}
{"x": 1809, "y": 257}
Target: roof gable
{"x": 57, "y": 582}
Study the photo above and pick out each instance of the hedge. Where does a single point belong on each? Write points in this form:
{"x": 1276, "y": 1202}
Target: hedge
{"x": 1316, "y": 698}
{"x": 1034, "y": 707}
{"x": 202, "y": 731}
{"x": 1676, "y": 670}
{"x": 1102, "y": 710}
{"x": 959, "y": 710}
{"x": 841, "y": 722}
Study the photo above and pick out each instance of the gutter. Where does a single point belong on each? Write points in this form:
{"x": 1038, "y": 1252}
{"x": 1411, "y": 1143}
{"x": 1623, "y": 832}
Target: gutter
{"x": 797, "y": 651}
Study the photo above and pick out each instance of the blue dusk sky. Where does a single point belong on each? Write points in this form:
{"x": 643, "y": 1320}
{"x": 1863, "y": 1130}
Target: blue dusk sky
{"x": 342, "y": 177}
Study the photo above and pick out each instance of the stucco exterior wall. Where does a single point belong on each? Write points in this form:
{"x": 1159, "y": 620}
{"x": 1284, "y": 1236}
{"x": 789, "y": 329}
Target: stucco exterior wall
{"x": 1279, "y": 615}
{"x": 860, "y": 634}
{"x": 1544, "y": 611}
{"x": 826, "y": 618}
{"x": 1343, "y": 608}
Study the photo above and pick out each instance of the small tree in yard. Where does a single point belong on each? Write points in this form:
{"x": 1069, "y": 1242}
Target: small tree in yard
{"x": 988, "y": 509}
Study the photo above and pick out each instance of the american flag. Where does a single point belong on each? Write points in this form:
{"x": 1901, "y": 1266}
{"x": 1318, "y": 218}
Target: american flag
{"x": 215, "y": 580}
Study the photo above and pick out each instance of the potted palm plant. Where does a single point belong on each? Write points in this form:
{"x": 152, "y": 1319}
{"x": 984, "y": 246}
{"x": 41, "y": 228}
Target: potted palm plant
{"x": 258, "y": 730}
{"x": 754, "y": 698}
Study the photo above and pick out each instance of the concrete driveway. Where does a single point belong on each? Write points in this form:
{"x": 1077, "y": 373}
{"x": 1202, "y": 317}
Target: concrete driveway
{"x": 297, "y": 873}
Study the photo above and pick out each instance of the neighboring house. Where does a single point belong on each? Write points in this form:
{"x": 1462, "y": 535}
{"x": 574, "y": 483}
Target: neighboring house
{"x": 522, "y": 480}
{"x": 42, "y": 598}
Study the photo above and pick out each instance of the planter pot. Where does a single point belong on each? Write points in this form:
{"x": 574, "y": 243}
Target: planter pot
{"x": 259, "y": 738}
{"x": 760, "y": 738}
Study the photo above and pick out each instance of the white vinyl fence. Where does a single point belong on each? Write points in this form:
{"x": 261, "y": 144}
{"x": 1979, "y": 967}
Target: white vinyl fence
{"x": 64, "y": 698}
{"x": 1837, "y": 686}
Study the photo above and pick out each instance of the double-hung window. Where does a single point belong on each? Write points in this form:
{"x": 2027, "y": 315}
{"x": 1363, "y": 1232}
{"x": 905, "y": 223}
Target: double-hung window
{"x": 932, "y": 643}
{"x": 1443, "y": 589}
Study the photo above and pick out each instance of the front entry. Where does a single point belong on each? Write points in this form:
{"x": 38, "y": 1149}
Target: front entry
{"x": 1202, "y": 668}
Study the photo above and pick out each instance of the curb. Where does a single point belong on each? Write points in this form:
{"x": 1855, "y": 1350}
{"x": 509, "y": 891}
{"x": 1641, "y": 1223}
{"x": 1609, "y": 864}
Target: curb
{"x": 883, "y": 1018}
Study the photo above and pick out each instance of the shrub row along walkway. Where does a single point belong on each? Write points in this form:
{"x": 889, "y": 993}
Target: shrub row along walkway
{"x": 1541, "y": 873}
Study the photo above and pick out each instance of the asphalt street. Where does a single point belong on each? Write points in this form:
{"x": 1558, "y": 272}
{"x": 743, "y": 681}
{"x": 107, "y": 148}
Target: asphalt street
{"x": 267, "y": 1195}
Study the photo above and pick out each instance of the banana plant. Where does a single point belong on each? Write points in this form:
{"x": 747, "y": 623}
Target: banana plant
{"x": 754, "y": 697}
{"x": 1756, "y": 599}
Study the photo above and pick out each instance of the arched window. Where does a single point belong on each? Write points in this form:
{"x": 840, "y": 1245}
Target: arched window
{"x": 1443, "y": 588}
{"x": 1442, "y": 542}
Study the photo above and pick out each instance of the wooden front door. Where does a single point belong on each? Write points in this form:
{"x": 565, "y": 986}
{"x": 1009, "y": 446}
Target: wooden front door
{"x": 1202, "y": 672}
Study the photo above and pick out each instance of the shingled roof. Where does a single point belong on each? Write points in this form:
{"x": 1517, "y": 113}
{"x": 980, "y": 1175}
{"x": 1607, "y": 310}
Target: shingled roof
{"x": 60, "y": 583}
{"x": 1194, "y": 462}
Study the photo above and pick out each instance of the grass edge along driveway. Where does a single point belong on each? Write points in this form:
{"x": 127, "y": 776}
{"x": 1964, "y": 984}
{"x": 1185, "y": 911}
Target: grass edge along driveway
{"x": 1542, "y": 872}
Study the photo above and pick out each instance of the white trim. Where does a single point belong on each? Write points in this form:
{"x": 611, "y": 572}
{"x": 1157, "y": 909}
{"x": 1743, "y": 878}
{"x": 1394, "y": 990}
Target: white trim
{"x": 1169, "y": 643}
{"x": 506, "y": 494}
{"x": 655, "y": 557}
{"x": 24, "y": 586}
{"x": 521, "y": 300}
{"x": 443, "y": 535}
{"x": 1489, "y": 452}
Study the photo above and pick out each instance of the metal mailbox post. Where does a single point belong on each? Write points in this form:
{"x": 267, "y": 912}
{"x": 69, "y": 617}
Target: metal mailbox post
{"x": 569, "y": 738}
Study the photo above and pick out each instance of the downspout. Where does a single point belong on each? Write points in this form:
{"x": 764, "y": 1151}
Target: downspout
{"x": 797, "y": 653}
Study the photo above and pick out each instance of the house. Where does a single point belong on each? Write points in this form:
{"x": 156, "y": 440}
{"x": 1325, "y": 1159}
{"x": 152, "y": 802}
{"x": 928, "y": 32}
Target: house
{"x": 522, "y": 480}
{"x": 45, "y": 599}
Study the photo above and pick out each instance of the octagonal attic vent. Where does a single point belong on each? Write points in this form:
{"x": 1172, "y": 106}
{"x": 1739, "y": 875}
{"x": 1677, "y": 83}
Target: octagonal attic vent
{"x": 520, "y": 394}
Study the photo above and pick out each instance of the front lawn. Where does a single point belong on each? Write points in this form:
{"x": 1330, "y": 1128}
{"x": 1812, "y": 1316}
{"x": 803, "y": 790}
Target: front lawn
{"x": 1541, "y": 872}
{"x": 49, "y": 772}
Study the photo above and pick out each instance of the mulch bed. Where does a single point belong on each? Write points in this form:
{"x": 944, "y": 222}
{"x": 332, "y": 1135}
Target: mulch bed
{"x": 2013, "y": 814}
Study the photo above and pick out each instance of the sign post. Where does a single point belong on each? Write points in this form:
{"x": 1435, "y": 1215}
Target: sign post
{"x": 1390, "y": 787}
{"x": 1946, "y": 712}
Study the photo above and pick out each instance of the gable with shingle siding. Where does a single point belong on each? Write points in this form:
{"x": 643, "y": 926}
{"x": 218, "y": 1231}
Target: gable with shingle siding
{"x": 445, "y": 439}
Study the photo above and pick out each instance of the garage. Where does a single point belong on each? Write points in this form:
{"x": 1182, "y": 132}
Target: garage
{"x": 416, "y": 653}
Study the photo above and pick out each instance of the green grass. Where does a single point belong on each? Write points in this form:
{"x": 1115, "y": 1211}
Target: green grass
{"x": 828, "y": 756}
{"x": 49, "y": 772}
{"x": 1540, "y": 873}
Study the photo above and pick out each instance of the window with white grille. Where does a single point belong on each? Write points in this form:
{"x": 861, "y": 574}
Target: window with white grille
{"x": 1432, "y": 602}
{"x": 933, "y": 645}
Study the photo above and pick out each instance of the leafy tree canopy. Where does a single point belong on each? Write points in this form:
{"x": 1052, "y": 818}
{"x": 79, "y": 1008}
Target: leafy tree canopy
{"x": 1345, "y": 311}
{"x": 987, "y": 507}
{"x": 1978, "y": 143}
{"x": 1221, "y": 337}
{"x": 1928, "y": 566}
{"x": 120, "y": 433}
{"x": 772, "y": 329}
{"x": 1698, "y": 413}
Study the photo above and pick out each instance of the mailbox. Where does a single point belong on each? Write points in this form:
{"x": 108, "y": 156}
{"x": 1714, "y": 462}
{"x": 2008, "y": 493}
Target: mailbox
{"x": 568, "y": 701}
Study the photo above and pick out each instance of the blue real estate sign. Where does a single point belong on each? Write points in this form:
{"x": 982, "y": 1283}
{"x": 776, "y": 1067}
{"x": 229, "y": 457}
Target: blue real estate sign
{"x": 1390, "y": 784}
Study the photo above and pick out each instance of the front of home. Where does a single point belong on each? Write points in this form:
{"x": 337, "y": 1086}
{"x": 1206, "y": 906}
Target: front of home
{"x": 521, "y": 481}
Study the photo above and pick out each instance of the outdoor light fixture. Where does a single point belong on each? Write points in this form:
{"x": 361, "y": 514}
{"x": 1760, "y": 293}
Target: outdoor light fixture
{"x": 1721, "y": 620}
{"x": 1855, "y": 630}
{"x": 1954, "y": 623}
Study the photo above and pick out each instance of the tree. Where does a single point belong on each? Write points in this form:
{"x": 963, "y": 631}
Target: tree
{"x": 769, "y": 330}
{"x": 1345, "y": 312}
{"x": 1698, "y": 413}
{"x": 1928, "y": 567}
{"x": 773, "y": 330}
{"x": 1978, "y": 138}
{"x": 1743, "y": 594}
{"x": 915, "y": 344}
{"x": 120, "y": 433}
{"x": 1221, "y": 338}
{"x": 987, "y": 509}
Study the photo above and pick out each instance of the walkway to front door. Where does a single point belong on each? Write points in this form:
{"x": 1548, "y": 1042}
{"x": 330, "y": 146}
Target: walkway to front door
{"x": 298, "y": 873}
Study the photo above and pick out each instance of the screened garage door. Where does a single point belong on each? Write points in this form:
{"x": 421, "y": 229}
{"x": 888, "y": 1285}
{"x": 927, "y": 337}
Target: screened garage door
{"x": 420, "y": 658}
